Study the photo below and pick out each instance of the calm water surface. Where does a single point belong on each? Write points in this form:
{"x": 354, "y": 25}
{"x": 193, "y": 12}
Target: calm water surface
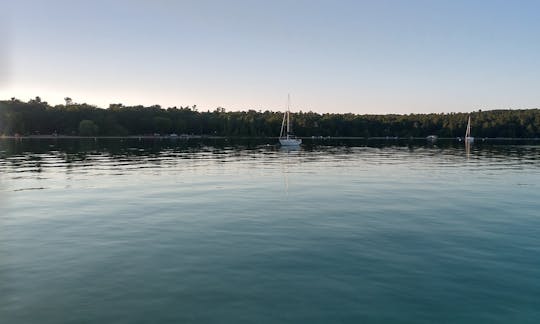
{"x": 220, "y": 232}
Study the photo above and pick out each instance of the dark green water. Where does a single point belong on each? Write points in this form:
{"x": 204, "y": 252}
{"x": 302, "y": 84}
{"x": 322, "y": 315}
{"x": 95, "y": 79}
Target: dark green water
{"x": 235, "y": 232}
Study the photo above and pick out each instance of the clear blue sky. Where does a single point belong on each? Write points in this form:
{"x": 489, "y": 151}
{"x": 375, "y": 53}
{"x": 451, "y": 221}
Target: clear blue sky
{"x": 332, "y": 56}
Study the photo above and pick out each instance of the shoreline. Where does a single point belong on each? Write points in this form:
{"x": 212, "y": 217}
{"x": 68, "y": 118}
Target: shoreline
{"x": 317, "y": 138}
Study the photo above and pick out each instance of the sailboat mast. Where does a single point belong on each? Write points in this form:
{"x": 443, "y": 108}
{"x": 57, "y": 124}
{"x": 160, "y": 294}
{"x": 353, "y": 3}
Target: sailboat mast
{"x": 288, "y": 113}
{"x": 282, "y": 126}
{"x": 289, "y": 139}
{"x": 468, "y": 131}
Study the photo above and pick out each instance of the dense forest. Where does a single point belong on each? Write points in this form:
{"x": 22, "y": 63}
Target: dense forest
{"x": 36, "y": 117}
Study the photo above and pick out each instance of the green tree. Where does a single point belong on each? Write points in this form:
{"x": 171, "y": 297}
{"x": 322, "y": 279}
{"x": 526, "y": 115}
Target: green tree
{"x": 162, "y": 124}
{"x": 88, "y": 128}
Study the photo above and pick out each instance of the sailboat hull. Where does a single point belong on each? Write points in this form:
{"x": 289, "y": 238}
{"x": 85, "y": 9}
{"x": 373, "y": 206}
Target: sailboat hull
{"x": 290, "y": 141}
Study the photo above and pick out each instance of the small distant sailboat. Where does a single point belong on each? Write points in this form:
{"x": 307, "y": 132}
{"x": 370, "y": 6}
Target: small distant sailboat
{"x": 432, "y": 138}
{"x": 285, "y": 136}
{"x": 468, "y": 137}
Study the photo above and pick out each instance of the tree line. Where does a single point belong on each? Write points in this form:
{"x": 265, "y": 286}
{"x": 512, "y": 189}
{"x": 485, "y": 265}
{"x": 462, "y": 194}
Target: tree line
{"x": 37, "y": 117}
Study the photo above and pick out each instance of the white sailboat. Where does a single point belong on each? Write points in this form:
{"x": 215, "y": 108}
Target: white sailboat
{"x": 285, "y": 136}
{"x": 468, "y": 137}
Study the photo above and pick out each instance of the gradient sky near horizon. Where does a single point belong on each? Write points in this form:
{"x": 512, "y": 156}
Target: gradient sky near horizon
{"x": 332, "y": 56}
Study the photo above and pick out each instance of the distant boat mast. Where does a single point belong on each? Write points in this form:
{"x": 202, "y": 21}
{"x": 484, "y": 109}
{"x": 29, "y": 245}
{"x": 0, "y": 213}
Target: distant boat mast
{"x": 285, "y": 136}
{"x": 286, "y": 128}
{"x": 468, "y": 137}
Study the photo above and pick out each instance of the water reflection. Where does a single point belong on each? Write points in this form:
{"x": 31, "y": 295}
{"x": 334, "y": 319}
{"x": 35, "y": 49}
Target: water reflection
{"x": 121, "y": 156}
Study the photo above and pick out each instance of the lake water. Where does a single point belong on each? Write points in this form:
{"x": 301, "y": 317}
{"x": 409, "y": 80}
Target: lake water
{"x": 233, "y": 232}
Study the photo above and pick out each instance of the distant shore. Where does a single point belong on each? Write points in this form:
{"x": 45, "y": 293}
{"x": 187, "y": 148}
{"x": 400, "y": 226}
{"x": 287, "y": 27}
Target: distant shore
{"x": 73, "y": 120}
{"x": 318, "y": 138}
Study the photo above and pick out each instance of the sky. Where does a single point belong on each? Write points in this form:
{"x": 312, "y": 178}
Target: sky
{"x": 376, "y": 57}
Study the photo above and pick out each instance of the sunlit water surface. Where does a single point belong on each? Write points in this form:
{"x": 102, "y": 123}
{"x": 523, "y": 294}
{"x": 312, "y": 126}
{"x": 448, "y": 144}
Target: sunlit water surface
{"x": 140, "y": 232}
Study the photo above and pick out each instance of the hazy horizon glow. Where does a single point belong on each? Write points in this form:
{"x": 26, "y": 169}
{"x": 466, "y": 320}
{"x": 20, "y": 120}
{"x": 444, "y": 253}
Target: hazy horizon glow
{"x": 345, "y": 56}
